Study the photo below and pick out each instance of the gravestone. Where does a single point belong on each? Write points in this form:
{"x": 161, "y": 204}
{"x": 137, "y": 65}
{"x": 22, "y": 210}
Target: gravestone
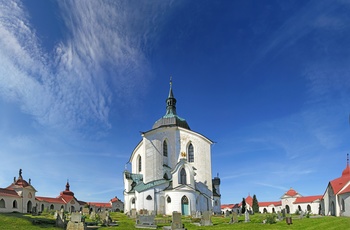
{"x": 177, "y": 223}
{"x": 301, "y": 215}
{"x": 102, "y": 216}
{"x": 227, "y": 213}
{"x": 133, "y": 213}
{"x": 234, "y": 218}
{"x": 86, "y": 211}
{"x": 143, "y": 212}
{"x": 246, "y": 217}
{"x": 193, "y": 214}
{"x": 75, "y": 222}
{"x": 92, "y": 215}
{"x": 198, "y": 214}
{"x": 279, "y": 217}
{"x": 206, "y": 219}
{"x": 145, "y": 221}
{"x": 75, "y": 217}
{"x": 60, "y": 221}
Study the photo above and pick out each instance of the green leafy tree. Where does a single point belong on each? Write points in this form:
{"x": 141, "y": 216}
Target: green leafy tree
{"x": 243, "y": 206}
{"x": 255, "y": 204}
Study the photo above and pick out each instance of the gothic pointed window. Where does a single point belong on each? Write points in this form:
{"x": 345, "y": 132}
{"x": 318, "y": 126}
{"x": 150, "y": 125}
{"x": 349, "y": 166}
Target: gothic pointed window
{"x": 190, "y": 152}
{"x": 165, "y": 149}
{"x": 139, "y": 164}
{"x": 183, "y": 176}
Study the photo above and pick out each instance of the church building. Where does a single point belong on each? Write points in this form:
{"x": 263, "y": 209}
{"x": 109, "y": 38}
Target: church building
{"x": 336, "y": 199}
{"x": 171, "y": 169}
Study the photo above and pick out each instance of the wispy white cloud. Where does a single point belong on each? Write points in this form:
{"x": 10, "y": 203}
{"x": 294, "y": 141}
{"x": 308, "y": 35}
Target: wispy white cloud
{"x": 99, "y": 63}
{"x": 272, "y": 186}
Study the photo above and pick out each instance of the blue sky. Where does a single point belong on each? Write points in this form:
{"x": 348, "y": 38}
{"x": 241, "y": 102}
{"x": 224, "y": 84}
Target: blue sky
{"x": 267, "y": 81}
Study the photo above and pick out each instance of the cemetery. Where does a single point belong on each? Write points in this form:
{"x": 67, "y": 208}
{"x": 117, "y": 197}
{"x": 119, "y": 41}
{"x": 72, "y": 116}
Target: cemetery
{"x": 175, "y": 221}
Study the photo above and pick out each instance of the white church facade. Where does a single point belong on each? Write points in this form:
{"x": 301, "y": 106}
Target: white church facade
{"x": 171, "y": 169}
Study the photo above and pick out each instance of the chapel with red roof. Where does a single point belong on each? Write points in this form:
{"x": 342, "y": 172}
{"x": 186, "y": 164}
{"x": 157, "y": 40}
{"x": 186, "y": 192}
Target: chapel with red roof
{"x": 20, "y": 196}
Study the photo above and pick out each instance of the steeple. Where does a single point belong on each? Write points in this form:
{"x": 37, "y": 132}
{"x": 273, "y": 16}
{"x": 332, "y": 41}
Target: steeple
{"x": 171, "y": 101}
{"x": 346, "y": 171}
{"x": 171, "y": 118}
{"x": 67, "y": 186}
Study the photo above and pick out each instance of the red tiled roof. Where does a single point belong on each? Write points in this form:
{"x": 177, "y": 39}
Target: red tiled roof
{"x": 249, "y": 200}
{"x": 115, "y": 199}
{"x": 339, "y": 183}
{"x": 307, "y": 199}
{"x": 345, "y": 190}
{"x": 8, "y": 192}
{"x": 100, "y": 204}
{"x": 230, "y": 206}
{"x": 50, "y": 200}
{"x": 268, "y": 203}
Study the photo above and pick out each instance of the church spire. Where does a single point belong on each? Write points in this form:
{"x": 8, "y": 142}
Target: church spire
{"x": 171, "y": 101}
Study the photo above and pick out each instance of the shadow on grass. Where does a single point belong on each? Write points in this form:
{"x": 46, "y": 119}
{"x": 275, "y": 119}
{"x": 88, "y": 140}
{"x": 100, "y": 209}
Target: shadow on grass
{"x": 38, "y": 221}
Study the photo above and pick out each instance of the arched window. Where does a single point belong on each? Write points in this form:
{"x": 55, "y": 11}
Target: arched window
{"x": 52, "y": 207}
{"x": 2, "y": 203}
{"x": 183, "y": 176}
{"x": 149, "y": 197}
{"x": 342, "y": 205}
{"x": 168, "y": 199}
{"x": 308, "y": 208}
{"x": 165, "y": 149}
{"x": 299, "y": 208}
{"x": 287, "y": 209}
{"x": 14, "y": 204}
{"x": 140, "y": 164}
{"x": 190, "y": 152}
{"x": 133, "y": 201}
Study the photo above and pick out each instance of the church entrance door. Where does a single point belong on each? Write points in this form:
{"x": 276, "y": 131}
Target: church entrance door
{"x": 184, "y": 206}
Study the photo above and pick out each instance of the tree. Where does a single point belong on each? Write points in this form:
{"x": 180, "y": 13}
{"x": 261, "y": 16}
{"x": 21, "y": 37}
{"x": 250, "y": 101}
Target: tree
{"x": 243, "y": 206}
{"x": 255, "y": 204}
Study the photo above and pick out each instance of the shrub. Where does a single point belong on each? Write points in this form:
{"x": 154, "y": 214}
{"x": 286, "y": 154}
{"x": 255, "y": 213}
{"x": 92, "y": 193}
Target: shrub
{"x": 271, "y": 218}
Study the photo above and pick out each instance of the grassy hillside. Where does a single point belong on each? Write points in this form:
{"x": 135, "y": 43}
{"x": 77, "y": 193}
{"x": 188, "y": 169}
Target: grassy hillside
{"x": 28, "y": 222}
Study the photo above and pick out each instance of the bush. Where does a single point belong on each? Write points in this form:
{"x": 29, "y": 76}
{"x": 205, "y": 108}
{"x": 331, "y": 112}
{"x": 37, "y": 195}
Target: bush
{"x": 271, "y": 218}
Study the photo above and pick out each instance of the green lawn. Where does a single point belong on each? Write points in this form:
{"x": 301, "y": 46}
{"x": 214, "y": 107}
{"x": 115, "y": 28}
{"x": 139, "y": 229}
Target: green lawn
{"x": 28, "y": 222}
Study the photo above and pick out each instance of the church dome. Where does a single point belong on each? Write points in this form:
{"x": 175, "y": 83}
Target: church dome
{"x": 291, "y": 192}
{"x": 346, "y": 171}
{"x": 171, "y": 118}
